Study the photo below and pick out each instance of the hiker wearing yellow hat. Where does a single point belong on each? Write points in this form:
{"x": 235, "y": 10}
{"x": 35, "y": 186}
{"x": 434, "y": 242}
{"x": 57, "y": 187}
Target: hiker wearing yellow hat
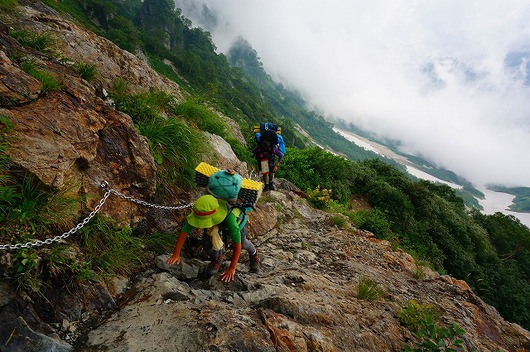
{"x": 213, "y": 215}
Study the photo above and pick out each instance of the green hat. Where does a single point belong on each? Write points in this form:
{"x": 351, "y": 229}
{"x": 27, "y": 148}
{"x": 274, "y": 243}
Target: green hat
{"x": 207, "y": 212}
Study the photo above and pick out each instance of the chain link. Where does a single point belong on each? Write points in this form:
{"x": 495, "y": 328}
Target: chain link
{"x": 79, "y": 226}
{"x": 145, "y": 204}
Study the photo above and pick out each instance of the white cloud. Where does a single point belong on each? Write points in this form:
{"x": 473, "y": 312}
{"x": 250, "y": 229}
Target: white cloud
{"x": 430, "y": 73}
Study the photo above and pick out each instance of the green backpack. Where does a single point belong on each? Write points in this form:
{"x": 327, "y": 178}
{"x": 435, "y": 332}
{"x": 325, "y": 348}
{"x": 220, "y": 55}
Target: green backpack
{"x": 225, "y": 185}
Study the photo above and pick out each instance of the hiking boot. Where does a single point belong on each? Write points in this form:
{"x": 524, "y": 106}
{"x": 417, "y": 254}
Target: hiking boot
{"x": 254, "y": 262}
{"x": 266, "y": 188}
{"x": 215, "y": 264}
{"x": 271, "y": 187}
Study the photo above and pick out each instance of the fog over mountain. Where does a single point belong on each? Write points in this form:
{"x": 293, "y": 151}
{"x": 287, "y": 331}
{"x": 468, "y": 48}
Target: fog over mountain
{"x": 449, "y": 79}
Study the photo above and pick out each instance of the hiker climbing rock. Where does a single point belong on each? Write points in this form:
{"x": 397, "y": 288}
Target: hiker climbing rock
{"x": 266, "y": 153}
{"x": 214, "y": 217}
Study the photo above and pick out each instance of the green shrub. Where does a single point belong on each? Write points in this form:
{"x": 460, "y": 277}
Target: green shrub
{"x": 243, "y": 153}
{"x": 414, "y": 315}
{"x": 175, "y": 147}
{"x": 49, "y": 83}
{"x": 8, "y": 6}
{"x": 111, "y": 249}
{"x": 319, "y": 198}
{"x": 26, "y": 271}
{"x": 431, "y": 337}
{"x": 205, "y": 119}
{"x": 368, "y": 289}
{"x": 36, "y": 210}
{"x": 86, "y": 70}
{"x": 141, "y": 107}
{"x": 43, "y": 42}
{"x": 374, "y": 221}
{"x": 162, "y": 68}
{"x": 305, "y": 245}
{"x": 161, "y": 242}
{"x": 419, "y": 272}
{"x": 339, "y": 221}
{"x": 8, "y": 194}
{"x": 62, "y": 266}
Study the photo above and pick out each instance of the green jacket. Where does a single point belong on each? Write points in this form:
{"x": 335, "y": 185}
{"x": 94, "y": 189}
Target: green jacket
{"x": 230, "y": 223}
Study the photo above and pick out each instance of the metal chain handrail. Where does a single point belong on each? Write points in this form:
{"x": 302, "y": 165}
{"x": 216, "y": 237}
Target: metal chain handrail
{"x": 79, "y": 226}
{"x": 146, "y": 204}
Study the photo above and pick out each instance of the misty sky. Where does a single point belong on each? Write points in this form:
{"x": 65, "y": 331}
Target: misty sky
{"x": 450, "y": 79}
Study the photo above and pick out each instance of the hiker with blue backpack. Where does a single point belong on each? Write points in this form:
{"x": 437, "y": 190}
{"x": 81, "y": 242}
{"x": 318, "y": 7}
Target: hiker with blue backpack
{"x": 219, "y": 217}
{"x": 269, "y": 146}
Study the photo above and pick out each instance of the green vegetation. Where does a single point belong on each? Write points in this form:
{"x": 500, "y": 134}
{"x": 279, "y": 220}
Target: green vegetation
{"x": 414, "y": 315}
{"x": 43, "y": 42}
{"x": 368, "y": 289}
{"x": 107, "y": 250}
{"x": 339, "y": 221}
{"x": 49, "y": 83}
{"x": 111, "y": 249}
{"x": 7, "y": 190}
{"x": 207, "y": 120}
{"x": 29, "y": 212}
{"x": 78, "y": 12}
{"x": 319, "y": 198}
{"x": 8, "y": 6}
{"x": 422, "y": 320}
{"x": 437, "y": 338}
{"x": 204, "y": 118}
{"x": 492, "y": 253}
{"x": 175, "y": 146}
{"x": 419, "y": 272}
{"x": 86, "y": 70}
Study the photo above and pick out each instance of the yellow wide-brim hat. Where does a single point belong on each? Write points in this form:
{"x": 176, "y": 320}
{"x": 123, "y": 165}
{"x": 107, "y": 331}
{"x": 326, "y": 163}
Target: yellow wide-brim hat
{"x": 207, "y": 211}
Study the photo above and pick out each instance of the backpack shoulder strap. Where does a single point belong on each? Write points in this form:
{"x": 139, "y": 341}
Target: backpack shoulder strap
{"x": 240, "y": 212}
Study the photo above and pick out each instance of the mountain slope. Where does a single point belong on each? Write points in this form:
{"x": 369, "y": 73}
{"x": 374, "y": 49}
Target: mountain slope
{"x": 85, "y": 140}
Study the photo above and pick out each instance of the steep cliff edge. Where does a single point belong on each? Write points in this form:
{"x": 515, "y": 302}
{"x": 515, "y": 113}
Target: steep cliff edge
{"x": 306, "y": 296}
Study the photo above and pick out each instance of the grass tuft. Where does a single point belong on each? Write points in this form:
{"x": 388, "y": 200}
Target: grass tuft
{"x": 86, "y": 70}
{"x": 49, "y": 83}
{"x": 369, "y": 290}
{"x": 175, "y": 146}
{"x": 43, "y": 42}
{"x": 8, "y": 6}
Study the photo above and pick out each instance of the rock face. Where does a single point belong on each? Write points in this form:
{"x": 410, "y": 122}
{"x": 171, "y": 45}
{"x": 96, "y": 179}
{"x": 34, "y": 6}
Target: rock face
{"x": 223, "y": 156}
{"x": 71, "y": 137}
{"x": 80, "y": 45}
{"x": 304, "y": 298}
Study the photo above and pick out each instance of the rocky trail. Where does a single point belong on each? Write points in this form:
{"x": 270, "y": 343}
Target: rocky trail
{"x": 303, "y": 299}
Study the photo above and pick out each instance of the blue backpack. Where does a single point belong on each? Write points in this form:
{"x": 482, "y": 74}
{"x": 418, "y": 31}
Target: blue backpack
{"x": 270, "y": 132}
